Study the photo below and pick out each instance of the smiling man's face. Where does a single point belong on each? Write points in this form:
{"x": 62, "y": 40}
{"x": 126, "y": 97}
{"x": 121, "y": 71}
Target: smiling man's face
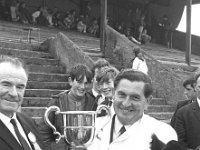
{"x": 129, "y": 101}
{"x": 12, "y": 87}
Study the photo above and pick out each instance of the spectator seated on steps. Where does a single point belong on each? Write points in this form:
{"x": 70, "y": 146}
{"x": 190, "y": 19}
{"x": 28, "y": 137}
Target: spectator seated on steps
{"x": 81, "y": 27}
{"x": 24, "y": 14}
{"x": 14, "y": 10}
{"x": 141, "y": 27}
{"x": 94, "y": 27}
{"x": 36, "y": 14}
{"x": 145, "y": 38}
{"x": 131, "y": 38}
{"x": 67, "y": 21}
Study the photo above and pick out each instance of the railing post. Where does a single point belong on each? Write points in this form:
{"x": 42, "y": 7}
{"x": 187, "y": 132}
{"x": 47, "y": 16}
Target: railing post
{"x": 188, "y": 33}
{"x": 103, "y": 25}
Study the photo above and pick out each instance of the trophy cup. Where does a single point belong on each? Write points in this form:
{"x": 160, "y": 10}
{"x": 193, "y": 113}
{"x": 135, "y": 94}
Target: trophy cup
{"x": 78, "y": 126}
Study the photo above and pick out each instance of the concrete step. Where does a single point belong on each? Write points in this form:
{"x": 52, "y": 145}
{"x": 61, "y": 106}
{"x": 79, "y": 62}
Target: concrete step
{"x": 94, "y": 54}
{"x": 36, "y": 101}
{"x": 41, "y": 92}
{"x": 47, "y": 85}
{"x": 37, "y": 120}
{"x": 40, "y": 61}
{"x": 46, "y": 69}
{"x": 90, "y": 49}
{"x": 42, "y": 77}
{"x": 34, "y": 111}
{"x": 161, "y": 115}
{"x": 160, "y": 108}
{"x": 18, "y": 45}
{"x": 158, "y": 101}
{"x": 24, "y": 53}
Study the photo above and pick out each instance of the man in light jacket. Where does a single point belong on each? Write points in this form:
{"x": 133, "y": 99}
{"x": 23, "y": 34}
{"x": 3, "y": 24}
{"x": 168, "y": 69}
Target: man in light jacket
{"x": 129, "y": 127}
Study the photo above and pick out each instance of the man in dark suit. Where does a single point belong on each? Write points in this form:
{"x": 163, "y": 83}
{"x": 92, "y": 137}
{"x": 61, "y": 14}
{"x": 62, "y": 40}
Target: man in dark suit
{"x": 187, "y": 123}
{"x": 17, "y": 131}
{"x": 190, "y": 94}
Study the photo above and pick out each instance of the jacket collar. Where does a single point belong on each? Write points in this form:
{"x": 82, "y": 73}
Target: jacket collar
{"x": 196, "y": 109}
{"x": 7, "y": 136}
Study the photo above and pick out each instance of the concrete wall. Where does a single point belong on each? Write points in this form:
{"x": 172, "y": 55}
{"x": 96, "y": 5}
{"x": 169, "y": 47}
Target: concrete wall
{"x": 167, "y": 84}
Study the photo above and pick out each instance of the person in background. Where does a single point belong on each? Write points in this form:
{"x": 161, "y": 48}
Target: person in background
{"x": 131, "y": 38}
{"x": 187, "y": 121}
{"x": 105, "y": 79}
{"x": 81, "y": 27}
{"x": 190, "y": 94}
{"x": 18, "y": 131}
{"x": 139, "y": 62}
{"x": 98, "y": 66}
{"x": 145, "y": 38}
{"x": 24, "y": 14}
{"x": 129, "y": 128}
{"x": 94, "y": 27}
{"x": 36, "y": 14}
{"x": 76, "y": 99}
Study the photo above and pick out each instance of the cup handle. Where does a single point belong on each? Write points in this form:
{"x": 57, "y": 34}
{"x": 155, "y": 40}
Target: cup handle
{"x": 48, "y": 122}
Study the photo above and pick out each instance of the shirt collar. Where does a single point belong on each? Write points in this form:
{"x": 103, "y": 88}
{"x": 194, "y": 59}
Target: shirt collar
{"x": 198, "y": 101}
{"x": 118, "y": 125}
{"x": 5, "y": 119}
{"x": 94, "y": 93}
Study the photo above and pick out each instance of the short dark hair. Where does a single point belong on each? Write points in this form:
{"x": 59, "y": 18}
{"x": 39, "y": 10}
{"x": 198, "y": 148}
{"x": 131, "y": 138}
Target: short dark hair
{"x": 106, "y": 73}
{"x": 17, "y": 62}
{"x": 135, "y": 75}
{"x": 80, "y": 71}
{"x": 137, "y": 51}
{"x": 100, "y": 63}
{"x": 191, "y": 81}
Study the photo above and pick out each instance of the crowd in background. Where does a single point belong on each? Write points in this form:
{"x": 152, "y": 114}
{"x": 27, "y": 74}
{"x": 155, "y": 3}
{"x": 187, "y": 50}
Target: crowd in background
{"x": 138, "y": 26}
{"x": 13, "y": 10}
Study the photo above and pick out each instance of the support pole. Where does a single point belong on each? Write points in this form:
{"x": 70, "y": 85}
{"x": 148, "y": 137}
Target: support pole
{"x": 103, "y": 25}
{"x": 188, "y": 33}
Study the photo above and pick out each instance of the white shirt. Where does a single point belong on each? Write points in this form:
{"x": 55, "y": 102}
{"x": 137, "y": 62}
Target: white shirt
{"x": 140, "y": 65}
{"x": 117, "y": 128}
{"x": 8, "y": 124}
{"x": 136, "y": 137}
{"x": 198, "y": 101}
{"x": 101, "y": 99}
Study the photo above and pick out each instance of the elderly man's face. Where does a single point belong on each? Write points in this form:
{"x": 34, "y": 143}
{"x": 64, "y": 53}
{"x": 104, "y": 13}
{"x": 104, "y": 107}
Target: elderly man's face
{"x": 129, "y": 101}
{"x": 12, "y": 87}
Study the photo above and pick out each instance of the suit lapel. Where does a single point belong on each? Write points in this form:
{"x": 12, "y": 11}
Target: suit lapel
{"x": 8, "y": 137}
{"x": 196, "y": 110}
{"x": 25, "y": 127}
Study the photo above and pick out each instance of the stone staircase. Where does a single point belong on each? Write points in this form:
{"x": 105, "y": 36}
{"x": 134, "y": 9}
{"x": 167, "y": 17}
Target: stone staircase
{"x": 47, "y": 76}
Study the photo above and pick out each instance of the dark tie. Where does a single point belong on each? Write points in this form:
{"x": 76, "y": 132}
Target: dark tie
{"x": 98, "y": 97}
{"x": 23, "y": 142}
{"x": 122, "y": 130}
